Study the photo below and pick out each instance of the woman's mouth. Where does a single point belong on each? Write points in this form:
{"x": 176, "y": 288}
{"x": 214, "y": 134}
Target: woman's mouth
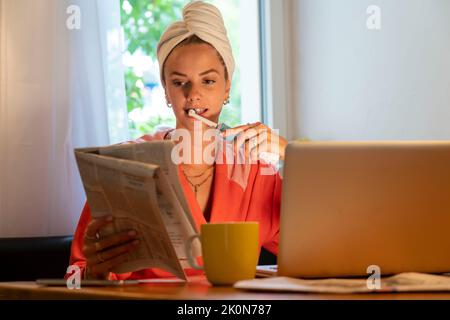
{"x": 198, "y": 111}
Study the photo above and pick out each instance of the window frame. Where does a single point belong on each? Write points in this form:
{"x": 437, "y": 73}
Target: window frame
{"x": 276, "y": 66}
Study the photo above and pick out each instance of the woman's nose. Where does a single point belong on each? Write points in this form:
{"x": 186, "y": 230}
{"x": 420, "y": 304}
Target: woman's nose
{"x": 193, "y": 93}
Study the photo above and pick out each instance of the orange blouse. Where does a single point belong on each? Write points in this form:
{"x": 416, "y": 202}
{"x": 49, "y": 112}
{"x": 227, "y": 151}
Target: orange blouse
{"x": 258, "y": 201}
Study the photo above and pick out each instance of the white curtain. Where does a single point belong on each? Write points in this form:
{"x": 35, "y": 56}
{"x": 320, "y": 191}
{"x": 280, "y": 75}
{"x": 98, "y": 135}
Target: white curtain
{"x": 60, "y": 88}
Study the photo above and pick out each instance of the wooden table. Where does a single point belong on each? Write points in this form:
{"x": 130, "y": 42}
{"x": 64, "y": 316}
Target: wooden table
{"x": 198, "y": 289}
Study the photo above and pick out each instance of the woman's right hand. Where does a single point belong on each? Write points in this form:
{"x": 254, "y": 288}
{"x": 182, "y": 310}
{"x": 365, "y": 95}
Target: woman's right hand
{"x": 104, "y": 254}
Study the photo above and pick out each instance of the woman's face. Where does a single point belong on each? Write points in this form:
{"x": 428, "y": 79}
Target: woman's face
{"x": 195, "y": 78}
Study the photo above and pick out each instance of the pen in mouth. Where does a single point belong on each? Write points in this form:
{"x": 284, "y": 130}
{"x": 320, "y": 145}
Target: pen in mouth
{"x": 208, "y": 122}
{"x": 221, "y": 126}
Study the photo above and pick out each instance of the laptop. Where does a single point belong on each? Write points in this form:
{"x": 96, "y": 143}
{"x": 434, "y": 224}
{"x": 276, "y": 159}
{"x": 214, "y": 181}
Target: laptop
{"x": 349, "y": 206}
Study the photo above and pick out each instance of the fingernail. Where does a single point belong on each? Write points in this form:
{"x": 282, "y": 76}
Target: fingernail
{"x": 132, "y": 233}
{"x": 109, "y": 218}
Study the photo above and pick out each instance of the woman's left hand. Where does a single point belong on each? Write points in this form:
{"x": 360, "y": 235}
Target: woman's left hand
{"x": 256, "y": 138}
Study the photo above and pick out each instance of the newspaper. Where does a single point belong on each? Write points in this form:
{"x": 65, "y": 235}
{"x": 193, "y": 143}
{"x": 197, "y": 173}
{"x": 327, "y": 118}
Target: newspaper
{"x": 402, "y": 282}
{"x": 138, "y": 185}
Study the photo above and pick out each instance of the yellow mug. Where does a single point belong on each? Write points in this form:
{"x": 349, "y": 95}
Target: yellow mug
{"x": 229, "y": 251}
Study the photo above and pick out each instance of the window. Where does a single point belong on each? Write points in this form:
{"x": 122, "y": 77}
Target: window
{"x": 143, "y": 22}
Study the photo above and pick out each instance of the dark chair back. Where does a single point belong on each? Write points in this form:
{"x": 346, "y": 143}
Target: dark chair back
{"x": 28, "y": 259}
{"x": 266, "y": 257}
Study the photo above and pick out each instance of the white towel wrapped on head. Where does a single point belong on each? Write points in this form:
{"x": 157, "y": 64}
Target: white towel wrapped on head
{"x": 203, "y": 20}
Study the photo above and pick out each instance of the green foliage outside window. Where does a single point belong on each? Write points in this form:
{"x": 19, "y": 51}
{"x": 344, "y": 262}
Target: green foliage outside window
{"x": 143, "y": 22}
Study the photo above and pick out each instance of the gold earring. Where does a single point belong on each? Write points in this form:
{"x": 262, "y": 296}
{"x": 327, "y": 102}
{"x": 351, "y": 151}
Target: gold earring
{"x": 227, "y": 101}
{"x": 169, "y": 105}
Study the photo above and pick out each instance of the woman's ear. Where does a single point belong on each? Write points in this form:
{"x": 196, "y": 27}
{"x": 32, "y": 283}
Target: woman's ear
{"x": 227, "y": 89}
{"x": 169, "y": 104}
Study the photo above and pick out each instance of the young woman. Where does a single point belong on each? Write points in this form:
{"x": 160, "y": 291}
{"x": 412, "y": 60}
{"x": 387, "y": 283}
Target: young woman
{"x": 197, "y": 65}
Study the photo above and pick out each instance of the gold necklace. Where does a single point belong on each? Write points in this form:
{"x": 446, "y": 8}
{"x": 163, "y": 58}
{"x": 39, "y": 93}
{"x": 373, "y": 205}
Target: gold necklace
{"x": 197, "y": 185}
{"x": 199, "y": 175}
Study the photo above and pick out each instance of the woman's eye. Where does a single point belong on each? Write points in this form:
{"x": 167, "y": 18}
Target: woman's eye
{"x": 209, "y": 82}
{"x": 177, "y": 83}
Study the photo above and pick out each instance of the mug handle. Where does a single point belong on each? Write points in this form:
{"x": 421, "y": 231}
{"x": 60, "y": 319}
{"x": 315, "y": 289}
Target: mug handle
{"x": 188, "y": 248}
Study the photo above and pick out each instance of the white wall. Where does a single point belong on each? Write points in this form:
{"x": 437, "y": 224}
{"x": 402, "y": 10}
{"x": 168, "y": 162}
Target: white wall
{"x": 351, "y": 83}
